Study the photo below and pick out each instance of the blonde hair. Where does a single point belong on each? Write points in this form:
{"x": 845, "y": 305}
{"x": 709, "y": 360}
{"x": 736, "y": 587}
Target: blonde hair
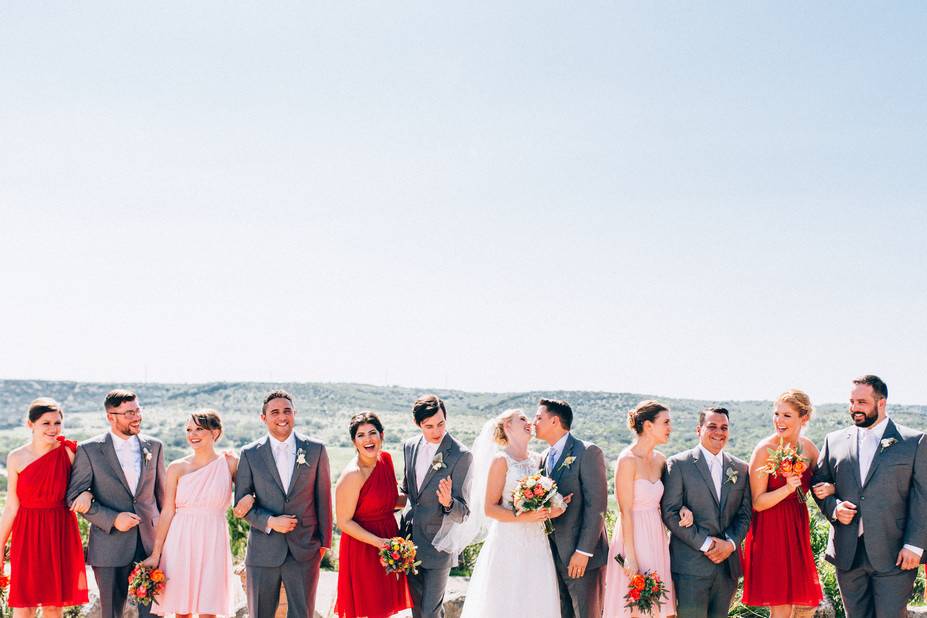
{"x": 799, "y": 400}
{"x": 498, "y": 434}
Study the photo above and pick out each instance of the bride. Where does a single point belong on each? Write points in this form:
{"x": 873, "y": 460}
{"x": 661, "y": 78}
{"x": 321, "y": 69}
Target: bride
{"x": 514, "y": 573}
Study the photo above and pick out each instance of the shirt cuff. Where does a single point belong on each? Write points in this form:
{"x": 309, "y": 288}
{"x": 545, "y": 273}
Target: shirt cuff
{"x": 833, "y": 516}
{"x": 705, "y": 545}
{"x": 732, "y": 542}
{"x": 268, "y": 530}
{"x": 579, "y": 551}
{"x": 917, "y": 550}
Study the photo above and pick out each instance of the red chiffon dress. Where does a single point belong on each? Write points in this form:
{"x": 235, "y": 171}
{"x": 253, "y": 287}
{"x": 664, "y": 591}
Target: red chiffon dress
{"x": 46, "y": 556}
{"x": 778, "y": 563}
{"x": 365, "y": 590}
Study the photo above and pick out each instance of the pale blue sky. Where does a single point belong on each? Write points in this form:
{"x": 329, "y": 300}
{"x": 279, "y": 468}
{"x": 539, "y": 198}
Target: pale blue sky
{"x": 713, "y": 200}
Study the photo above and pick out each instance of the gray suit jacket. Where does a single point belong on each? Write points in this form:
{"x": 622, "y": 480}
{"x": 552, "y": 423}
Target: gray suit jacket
{"x": 892, "y": 499}
{"x": 425, "y": 515}
{"x": 687, "y": 482}
{"x": 309, "y": 498}
{"x": 582, "y": 526}
{"x": 96, "y": 469}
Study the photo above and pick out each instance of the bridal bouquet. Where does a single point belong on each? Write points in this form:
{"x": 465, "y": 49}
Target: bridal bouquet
{"x": 786, "y": 460}
{"x": 399, "y": 556}
{"x": 536, "y": 492}
{"x": 144, "y": 584}
{"x": 645, "y": 592}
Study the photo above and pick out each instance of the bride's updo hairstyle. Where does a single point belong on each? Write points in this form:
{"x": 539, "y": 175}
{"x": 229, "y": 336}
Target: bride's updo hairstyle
{"x": 644, "y": 411}
{"x": 499, "y": 433}
{"x": 799, "y": 400}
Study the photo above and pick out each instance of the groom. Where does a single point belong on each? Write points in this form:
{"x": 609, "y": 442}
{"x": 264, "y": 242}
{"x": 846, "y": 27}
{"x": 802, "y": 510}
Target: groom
{"x": 578, "y": 543}
{"x": 291, "y": 520}
{"x": 879, "y": 510}
{"x": 123, "y": 471}
{"x": 435, "y": 481}
{"x": 705, "y": 557}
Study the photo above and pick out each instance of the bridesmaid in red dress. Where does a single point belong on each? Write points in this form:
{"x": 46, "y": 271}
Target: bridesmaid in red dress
{"x": 46, "y": 557}
{"x": 366, "y": 498}
{"x": 778, "y": 564}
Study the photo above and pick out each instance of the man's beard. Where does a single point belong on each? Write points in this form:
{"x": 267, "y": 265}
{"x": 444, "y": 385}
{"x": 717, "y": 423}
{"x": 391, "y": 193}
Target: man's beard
{"x": 869, "y": 421}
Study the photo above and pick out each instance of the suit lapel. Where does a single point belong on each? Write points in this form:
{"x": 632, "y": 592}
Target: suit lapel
{"x": 702, "y": 467}
{"x": 853, "y": 450}
{"x": 297, "y": 468}
{"x": 557, "y": 472}
{"x": 143, "y": 464}
{"x": 109, "y": 451}
{"x": 890, "y": 432}
{"x": 267, "y": 453}
{"x": 442, "y": 450}
{"x": 411, "y": 477}
{"x": 725, "y": 486}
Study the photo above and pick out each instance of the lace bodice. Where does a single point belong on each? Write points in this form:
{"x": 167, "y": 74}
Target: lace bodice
{"x": 516, "y": 472}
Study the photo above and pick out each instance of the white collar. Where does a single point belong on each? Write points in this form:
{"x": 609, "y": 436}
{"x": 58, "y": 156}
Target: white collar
{"x": 431, "y": 447}
{"x": 119, "y": 442}
{"x": 708, "y": 454}
{"x": 559, "y": 445}
{"x": 289, "y": 443}
{"x": 877, "y": 430}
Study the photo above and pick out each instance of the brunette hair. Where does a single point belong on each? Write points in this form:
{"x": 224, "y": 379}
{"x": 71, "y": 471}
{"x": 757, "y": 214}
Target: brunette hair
{"x": 364, "y": 418}
{"x": 878, "y": 386}
{"x": 43, "y": 405}
{"x": 427, "y": 406}
{"x": 560, "y": 409}
{"x": 644, "y": 411}
{"x": 117, "y": 397}
{"x": 277, "y": 394}
{"x": 208, "y": 419}
{"x": 798, "y": 400}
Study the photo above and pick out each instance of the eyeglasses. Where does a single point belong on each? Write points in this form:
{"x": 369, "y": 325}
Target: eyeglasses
{"x": 129, "y": 414}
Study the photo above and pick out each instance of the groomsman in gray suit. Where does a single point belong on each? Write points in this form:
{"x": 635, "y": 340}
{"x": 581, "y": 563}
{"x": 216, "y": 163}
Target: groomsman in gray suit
{"x": 435, "y": 481}
{"x": 291, "y": 520}
{"x": 879, "y": 510}
{"x": 578, "y": 543}
{"x": 122, "y": 471}
{"x": 705, "y": 557}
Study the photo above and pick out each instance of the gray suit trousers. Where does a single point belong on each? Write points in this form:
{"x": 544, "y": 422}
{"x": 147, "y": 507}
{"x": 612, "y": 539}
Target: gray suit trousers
{"x": 427, "y": 590}
{"x": 867, "y": 593}
{"x": 300, "y": 580}
{"x": 704, "y": 596}
{"x": 580, "y": 597}
{"x": 113, "y": 583}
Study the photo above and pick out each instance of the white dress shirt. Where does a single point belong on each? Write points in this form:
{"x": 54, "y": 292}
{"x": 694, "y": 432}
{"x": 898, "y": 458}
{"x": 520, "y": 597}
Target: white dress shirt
{"x": 284, "y": 457}
{"x": 715, "y": 466}
{"x": 129, "y": 453}
{"x": 423, "y": 460}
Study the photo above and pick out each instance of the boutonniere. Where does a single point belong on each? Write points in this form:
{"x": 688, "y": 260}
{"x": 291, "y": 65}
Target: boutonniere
{"x": 300, "y": 457}
{"x": 886, "y": 443}
{"x": 147, "y": 455}
{"x": 438, "y": 462}
{"x": 731, "y": 475}
{"x": 567, "y": 462}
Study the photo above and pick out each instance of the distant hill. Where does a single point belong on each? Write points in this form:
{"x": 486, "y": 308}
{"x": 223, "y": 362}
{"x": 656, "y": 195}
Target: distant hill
{"x": 324, "y": 409}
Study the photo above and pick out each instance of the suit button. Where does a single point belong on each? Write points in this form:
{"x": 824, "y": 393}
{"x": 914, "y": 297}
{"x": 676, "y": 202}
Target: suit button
{"x": 134, "y": 500}
{"x": 862, "y": 497}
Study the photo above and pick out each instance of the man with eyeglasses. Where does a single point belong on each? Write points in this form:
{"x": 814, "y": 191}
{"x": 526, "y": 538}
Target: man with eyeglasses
{"x": 117, "y": 484}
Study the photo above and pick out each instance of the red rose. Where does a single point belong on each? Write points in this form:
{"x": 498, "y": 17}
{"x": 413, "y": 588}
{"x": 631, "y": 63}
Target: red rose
{"x": 635, "y": 594}
{"x": 528, "y": 494}
{"x": 140, "y": 593}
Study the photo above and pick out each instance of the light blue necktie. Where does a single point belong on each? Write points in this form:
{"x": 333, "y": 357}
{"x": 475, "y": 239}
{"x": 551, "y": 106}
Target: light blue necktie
{"x": 551, "y": 461}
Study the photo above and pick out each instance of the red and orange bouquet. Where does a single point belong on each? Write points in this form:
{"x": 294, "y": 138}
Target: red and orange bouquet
{"x": 399, "y": 556}
{"x": 4, "y": 584}
{"x": 536, "y": 492}
{"x": 784, "y": 460}
{"x": 144, "y": 584}
{"x": 645, "y": 592}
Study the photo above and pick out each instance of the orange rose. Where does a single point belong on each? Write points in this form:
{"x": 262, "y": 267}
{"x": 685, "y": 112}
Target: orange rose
{"x": 800, "y": 466}
{"x": 785, "y": 467}
{"x": 638, "y": 582}
{"x": 157, "y": 576}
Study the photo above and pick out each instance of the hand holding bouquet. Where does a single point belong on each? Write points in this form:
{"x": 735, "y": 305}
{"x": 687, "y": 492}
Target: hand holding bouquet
{"x": 536, "y": 492}
{"x": 645, "y": 592}
{"x": 144, "y": 584}
{"x": 398, "y": 556}
{"x": 786, "y": 460}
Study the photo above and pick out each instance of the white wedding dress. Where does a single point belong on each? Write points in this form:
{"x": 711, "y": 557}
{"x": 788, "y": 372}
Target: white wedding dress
{"x": 514, "y": 573}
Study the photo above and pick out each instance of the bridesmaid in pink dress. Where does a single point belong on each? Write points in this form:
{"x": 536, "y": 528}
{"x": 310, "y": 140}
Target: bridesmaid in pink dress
{"x": 192, "y": 541}
{"x": 640, "y": 536}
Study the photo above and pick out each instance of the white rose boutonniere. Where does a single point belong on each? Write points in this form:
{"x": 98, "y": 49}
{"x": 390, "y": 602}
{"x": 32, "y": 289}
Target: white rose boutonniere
{"x": 300, "y": 457}
{"x": 731, "y": 475}
{"x": 567, "y": 462}
{"x": 147, "y": 454}
{"x": 886, "y": 443}
{"x": 438, "y": 462}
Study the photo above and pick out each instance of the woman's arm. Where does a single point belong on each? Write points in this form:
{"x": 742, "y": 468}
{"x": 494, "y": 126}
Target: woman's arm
{"x": 495, "y": 484}
{"x": 759, "y": 481}
{"x": 624, "y": 491}
{"x": 12, "y": 503}
{"x": 346, "y": 493}
{"x": 167, "y": 513}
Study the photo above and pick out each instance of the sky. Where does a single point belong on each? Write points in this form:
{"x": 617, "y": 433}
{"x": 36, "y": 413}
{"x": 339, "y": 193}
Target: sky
{"x": 713, "y": 200}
